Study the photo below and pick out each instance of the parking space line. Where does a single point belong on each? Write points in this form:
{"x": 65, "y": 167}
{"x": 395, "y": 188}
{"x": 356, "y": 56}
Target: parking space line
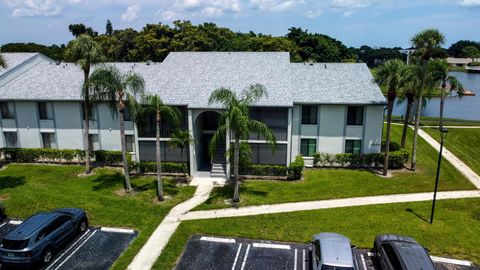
{"x": 68, "y": 249}
{"x": 236, "y": 256}
{"x": 117, "y": 230}
{"x": 274, "y": 246}
{"x": 295, "y": 261}
{"x": 73, "y": 252}
{"x": 245, "y": 258}
{"x": 217, "y": 239}
{"x": 451, "y": 261}
{"x": 363, "y": 262}
{"x": 303, "y": 259}
{"x": 3, "y": 224}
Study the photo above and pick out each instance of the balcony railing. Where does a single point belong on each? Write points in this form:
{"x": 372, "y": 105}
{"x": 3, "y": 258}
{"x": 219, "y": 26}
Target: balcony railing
{"x": 279, "y": 133}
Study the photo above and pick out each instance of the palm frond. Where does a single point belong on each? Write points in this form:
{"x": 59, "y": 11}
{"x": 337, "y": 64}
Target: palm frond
{"x": 253, "y": 94}
{"x": 224, "y": 96}
{"x": 3, "y": 62}
{"x": 218, "y": 136}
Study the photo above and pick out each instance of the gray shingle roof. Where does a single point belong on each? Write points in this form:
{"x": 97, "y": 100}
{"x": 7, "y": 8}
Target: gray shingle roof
{"x": 14, "y": 59}
{"x": 188, "y": 79}
{"x": 334, "y": 83}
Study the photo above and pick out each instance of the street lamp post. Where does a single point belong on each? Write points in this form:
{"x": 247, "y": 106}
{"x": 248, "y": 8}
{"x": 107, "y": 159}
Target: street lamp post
{"x": 443, "y": 134}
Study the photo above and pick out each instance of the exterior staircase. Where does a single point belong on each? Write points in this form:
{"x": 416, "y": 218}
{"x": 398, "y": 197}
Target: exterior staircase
{"x": 218, "y": 164}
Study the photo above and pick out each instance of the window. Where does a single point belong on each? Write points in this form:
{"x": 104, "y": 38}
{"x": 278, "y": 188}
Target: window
{"x": 93, "y": 143}
{"x": 130, "y": 143}
{"x": 126, "y": 115}
{"x": 353, "y": 147}
{"x": 355, "y": 116}
{"x": 308, "y": 147}
{"x": 10, "y": 139}
{"x": 45, "y": 110}
{"x": 93, "y": 113}
{"x": 6, "y": 110}
{"x": 309, "y": 115}
{"x": 48, "y": 140}
{"x": 317, "y": 252}
{"x": 15, "y": 244}
{"x": 391, "y": 256}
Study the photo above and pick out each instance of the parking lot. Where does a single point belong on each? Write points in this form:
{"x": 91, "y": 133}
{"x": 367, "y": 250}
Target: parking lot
{"x": 207, "y": 252}
{"x": 97, "y": 248}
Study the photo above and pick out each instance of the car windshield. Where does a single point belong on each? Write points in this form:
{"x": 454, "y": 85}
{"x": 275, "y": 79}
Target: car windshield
{"x": 331, "y": 267}
{"x": 14, "y": 244}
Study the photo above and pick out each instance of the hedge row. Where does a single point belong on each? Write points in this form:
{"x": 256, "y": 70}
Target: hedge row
{"x": 264, "y": 170}
{"x": 396, "y": 159}
{"x": 295, "y": 169}
{"x": 167, "y": 167}
{"x": 31, "y": 155}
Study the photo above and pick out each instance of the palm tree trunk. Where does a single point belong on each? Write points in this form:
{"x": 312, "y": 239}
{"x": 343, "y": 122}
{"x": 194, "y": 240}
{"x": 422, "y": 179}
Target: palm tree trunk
{"x": 236, "y": 157}
{"x": 86, "y": 112}
{"x": 408, "y": 112}
{"x": 184, "y": 169}
{"x": 387, "y": 139}
{"x": 159, "y": 165}
{"x": 127, "y": 185}
{"x": 415, "y": 132}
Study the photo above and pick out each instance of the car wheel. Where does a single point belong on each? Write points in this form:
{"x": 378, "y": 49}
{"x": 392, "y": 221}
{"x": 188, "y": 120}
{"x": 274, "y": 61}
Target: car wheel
{"x": 47, "y": 256}
{"x": 82, "y": 226}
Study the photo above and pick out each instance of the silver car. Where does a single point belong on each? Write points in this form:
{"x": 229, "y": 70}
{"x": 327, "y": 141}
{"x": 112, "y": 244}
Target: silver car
{"x": 332, "y": 251}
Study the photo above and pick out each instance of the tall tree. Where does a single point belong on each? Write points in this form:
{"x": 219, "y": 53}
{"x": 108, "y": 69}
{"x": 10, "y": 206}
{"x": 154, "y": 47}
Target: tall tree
{"x": 389, "y": 74}
{"x": 120, "y": 91}
{"x": 154, "y": 104}
{"x": 85, "y": 52}
{"x": 456, "y": 49}
{"x": 236, "y": 120}
{"x": 109, "y": 28}
{"x": 471, "y": 52}
{"x": 439, "y": 71}
{"x": 408, "y": 91}
{"x": 427, "y": 45}
{"x": 181, "y": 139}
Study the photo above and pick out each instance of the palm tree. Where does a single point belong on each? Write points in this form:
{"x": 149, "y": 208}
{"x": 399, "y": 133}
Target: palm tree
{"x": 181, "y": 139}
{"x": 236, "y": 120}
{"x": 427, "y": 45}
{"x": 389, "y": 74}
{"x": 120, "y": 91}
{"x": 3, "y": 63}
{"x": 439, "y": 70}
{"x": 408, "y": 91}
{"x": 85, "y": 52}
{"x": 154, "y": 104}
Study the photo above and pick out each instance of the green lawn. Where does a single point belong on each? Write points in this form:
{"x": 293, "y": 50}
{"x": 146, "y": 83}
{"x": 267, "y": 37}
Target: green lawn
{"x": 464, "y": 143}
{"x": 343, "y": 183}
{"x": 27, "y": 189}
{"x": 455, "y": 232}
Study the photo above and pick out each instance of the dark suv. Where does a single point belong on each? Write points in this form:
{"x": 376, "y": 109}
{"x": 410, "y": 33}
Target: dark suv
{"x": 395, "y": 252}
{"x": 35, "y": 240}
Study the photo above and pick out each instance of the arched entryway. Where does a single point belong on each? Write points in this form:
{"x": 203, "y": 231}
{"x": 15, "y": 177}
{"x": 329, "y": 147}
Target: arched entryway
{"x": 206, "y": 123}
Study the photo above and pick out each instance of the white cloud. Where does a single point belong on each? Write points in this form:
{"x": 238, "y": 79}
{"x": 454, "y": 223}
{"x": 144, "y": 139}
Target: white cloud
{"x": 275, "y": 5}
{"x": 167, "y": 15}
{"x": 348, "y": 13}
{"x": 313, "y": 13}
{"x": 26, "y": 8}
{"x": 469, "y": 3}
{"x": 131, "y": 13}
{"x": 350, "y": 3}
{"x": 200, "y": 8}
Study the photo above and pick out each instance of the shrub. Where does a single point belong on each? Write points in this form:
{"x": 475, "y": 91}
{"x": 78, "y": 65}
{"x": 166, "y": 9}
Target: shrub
{"x": 167, "y": 167}
{"x": 264, "y": 170}
{"x": 394, "y": 146}
{"x": 342, "y": 159}
{"x": 396, "y": 159}
{"x": 330, "y": 159}
{"x": 29, "y": 155}
{"x": 295, "y": 169}
{"x": 110, "y": 157}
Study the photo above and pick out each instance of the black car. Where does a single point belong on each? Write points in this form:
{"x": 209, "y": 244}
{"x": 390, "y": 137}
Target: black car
{"x": 396, "y": 252}
{"x": 36, "y": 240}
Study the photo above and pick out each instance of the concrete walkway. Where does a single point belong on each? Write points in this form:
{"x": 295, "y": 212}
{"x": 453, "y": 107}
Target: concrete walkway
{"x": 324, "y": 204}
{"x": 456, "y": 162}
{"x": 152, "y": 249}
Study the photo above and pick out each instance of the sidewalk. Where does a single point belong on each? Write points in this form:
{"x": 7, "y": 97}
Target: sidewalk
{"x": 324, "y": 204}
{"x": 456, "y": 162}
{"x": 152, "y": 249}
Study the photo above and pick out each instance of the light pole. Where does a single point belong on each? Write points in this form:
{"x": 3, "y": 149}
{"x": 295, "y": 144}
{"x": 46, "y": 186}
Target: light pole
{"x": 443, "y": 134}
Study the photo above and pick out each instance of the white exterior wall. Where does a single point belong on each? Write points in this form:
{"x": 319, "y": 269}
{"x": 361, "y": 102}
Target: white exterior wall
{"x": 26, "y": 116}
{"x": 68, "y": 119}
{"x": 332, "y": 130}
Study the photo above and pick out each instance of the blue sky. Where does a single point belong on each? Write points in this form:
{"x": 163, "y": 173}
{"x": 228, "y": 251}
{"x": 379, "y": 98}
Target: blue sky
{"x": 354, "y": 22}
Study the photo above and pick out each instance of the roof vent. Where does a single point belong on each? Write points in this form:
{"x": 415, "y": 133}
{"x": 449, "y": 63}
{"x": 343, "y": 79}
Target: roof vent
{"x": 325, "y": 66}
{"x": 149, "y": 62}
{"x": 58, "y": 62}
{"x": 309, "y": 62}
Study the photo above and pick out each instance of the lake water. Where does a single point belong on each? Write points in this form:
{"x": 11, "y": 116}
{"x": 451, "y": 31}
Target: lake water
{"x": 467, "y": 107}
